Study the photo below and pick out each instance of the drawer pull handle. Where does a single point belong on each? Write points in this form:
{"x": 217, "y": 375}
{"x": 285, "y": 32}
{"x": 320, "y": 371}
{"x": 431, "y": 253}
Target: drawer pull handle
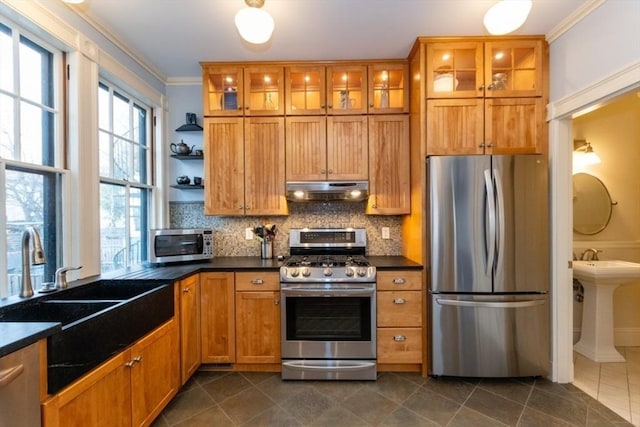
{"x": 129, "y": 364}
{"x": 399, "y": 301}
{"x": 257, "y": 282}
{"x": 399, "y": 281}
{"x": 399, "y": 338}
{"x": 10, "y": 374}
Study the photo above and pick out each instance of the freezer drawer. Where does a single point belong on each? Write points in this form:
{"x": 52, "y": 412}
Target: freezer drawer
{"x": 490, "y": 336}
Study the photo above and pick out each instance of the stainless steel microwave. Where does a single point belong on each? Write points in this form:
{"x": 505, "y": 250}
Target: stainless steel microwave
{"x": 180, "y": 245}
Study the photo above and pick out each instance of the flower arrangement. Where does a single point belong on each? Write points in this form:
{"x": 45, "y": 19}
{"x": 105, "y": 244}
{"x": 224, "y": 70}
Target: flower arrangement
{"x": 266, "y": 232}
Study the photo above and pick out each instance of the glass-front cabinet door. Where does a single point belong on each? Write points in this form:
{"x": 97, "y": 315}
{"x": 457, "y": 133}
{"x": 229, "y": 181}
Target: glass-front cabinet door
{"x": 264, "y": 89}
{"x": 347, "y": 89}
{"x": 305, "y": 90}
{"x": 388, "y": 88}
{"x": 513, "y": 68}
{"x": 454, "y": 70}
{"x": 222, "y": 91}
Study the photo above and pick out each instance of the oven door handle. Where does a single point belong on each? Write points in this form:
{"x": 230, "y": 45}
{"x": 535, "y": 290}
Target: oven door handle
{"x": 317, "y": 292}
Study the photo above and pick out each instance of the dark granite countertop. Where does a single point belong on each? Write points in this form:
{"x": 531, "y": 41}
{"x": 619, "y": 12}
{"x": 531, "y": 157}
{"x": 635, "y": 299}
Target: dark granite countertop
{"x": 16, "y": 335}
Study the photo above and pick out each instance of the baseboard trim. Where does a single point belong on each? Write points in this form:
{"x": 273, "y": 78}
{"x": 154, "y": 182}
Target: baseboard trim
{"x": 622, "y": 337}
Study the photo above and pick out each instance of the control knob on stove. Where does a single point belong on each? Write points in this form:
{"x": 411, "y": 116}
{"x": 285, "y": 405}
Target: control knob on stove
{"x": 306, "y": 272}
{"x": 294, "y": 272}
{"x": 362, "y": 272}
{"x": 349, "y": 272}
{"x": 327, "y": 271}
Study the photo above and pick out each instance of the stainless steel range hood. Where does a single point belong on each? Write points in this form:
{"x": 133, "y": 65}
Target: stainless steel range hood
{"x": 305, "y": 191}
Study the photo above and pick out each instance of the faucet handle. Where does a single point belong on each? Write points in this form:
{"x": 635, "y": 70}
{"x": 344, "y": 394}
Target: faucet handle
{"x": 595, "y": 255}
{"x": 61, "y": 276}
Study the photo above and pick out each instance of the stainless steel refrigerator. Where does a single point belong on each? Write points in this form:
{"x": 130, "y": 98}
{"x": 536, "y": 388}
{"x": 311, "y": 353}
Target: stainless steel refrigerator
{"x": 488, "y": 246}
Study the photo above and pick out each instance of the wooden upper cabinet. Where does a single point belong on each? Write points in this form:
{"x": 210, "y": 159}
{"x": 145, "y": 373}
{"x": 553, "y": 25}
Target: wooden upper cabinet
{"x": 224, "y": 166}
{"x": 513, "y": 68}
{"x": 305, "y": 90}
{"x": 347, "y": 89}
{"x": 229, "y": 90}
{"x": 347, "y": 150}
{"x": 454, "y": 69}
{"x": 222, "y": 90}
{"x": 388, "y": 88}
{"x": 389, "y": 163}
{"x": 455, "y": 126}
{"x": 515, "y": 126}
{"x": 306, "y": 148}
{"x": 264, "y": 176}
{"x": 264, "y": 91}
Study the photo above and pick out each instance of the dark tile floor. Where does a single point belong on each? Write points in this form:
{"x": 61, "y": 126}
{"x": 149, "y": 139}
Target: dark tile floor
{"x": 395, "y": 399}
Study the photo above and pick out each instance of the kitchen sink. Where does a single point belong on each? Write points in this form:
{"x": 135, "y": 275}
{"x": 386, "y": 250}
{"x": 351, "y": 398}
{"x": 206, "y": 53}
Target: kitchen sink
{"x": 98, "y": 320}
{"x": 56, "y": 311}
{"x": 106, "y": 290}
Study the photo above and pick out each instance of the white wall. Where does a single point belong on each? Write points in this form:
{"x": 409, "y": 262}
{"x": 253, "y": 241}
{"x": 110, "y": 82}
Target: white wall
{"x": 605, "y": 41}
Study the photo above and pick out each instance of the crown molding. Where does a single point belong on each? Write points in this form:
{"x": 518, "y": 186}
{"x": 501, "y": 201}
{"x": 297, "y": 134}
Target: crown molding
{"x": 578, "y": 15}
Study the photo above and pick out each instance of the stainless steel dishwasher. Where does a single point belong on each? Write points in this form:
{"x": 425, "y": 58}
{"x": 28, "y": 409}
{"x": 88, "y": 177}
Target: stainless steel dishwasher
{"x": 20, "y": 388}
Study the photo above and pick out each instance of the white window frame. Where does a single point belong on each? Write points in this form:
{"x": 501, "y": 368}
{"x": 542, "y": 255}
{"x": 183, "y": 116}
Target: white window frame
{"x": 57, "y": 112}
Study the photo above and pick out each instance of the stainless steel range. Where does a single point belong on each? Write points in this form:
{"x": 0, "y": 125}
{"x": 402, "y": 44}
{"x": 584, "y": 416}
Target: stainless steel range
{"x": 328, "y": 292}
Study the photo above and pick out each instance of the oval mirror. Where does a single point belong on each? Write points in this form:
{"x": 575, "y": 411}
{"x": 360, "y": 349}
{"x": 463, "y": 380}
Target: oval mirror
{"x": 592, "y": 204}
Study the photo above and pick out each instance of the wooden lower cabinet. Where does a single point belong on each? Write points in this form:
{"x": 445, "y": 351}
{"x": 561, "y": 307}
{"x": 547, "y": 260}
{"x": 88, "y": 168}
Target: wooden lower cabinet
{"x": 400, "y": 314}
{"x": 190, "y": 352}
{"x": 130, "y": 389}
{"x": 257, "y": 317}
{"x": 217, "y": 317}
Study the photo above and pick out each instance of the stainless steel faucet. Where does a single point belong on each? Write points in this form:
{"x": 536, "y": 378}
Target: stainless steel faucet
{"x": 37, "y": 258}
{"x": 594, "y": 254}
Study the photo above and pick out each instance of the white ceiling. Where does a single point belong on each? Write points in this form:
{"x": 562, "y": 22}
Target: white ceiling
{"x": 172, "y": 36}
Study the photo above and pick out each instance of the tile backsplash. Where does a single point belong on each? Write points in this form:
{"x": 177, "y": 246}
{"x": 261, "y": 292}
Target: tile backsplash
{"x": 229, "y": 232}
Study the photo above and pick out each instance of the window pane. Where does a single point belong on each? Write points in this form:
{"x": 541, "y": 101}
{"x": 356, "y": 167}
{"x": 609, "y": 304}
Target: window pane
{"x": 35, "y": 73}
{"x": 139, "y": 125}
{"x": 36, "y": 126}
{"x": 103, "y": 108}
{"x": 121, "y": 124}
{"x": 138, "y": 225}
{"x": 6, "y": 65}
{"x": 32, "y": 201}
{"x": 105, "y": 154}
{"x": 7, "y": 134}
{"x": 121, "y": 159}
{"x": 112, "y": 227}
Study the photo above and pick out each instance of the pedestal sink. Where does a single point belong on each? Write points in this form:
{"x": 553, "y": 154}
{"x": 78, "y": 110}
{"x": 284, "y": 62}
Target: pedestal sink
{"x": 600, "y": 279}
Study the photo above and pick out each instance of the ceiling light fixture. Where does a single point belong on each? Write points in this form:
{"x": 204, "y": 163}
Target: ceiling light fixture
{"x": 507, "y": 16}
{"x": 73, "y": 1}
{"x": 255, "y": 25}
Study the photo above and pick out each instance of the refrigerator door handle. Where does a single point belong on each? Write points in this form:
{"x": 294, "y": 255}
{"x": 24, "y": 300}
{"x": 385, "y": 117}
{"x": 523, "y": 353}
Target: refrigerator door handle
{"x": 491, "y": 304}
{"x": 500, "y": 220}
{"x": 490, "y": 236}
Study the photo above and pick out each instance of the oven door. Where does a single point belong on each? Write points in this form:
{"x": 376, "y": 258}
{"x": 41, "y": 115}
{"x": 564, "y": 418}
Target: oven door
{"x": 328, "y": 321}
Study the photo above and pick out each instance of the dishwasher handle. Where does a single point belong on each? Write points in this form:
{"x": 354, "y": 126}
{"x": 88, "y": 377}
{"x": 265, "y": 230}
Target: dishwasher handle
{"x": 10, "y": 374}
{"x": 491, "y": 304}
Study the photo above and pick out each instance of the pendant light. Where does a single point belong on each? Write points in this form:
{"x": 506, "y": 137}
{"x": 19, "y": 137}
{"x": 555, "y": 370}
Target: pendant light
{"x": 255, "y": 25}
{"x": 507, "y": 16}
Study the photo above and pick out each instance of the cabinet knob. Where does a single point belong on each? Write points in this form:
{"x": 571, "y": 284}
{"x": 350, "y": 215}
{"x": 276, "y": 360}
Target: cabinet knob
{"x": 129, "y": 364}
{"x": 399, "y": 301}
{"x": 257, "y": 282}
{"x": 186, "y": 290}
{"x": 399, "y": 338}
{"x": 489, "y": 145}
{"x": 399, "y": 281}
{"x": 330, "y": 171}
{"x": 330, "y": 105}
{"x": 246, "y": 108}
{"x": 247, "y": 207}
{"x": 137, "y": 359}
{"x": 240, "y": 207}
{"x": 323, "y": 171}
{"x": 323, "y": 106}
{"x": 481, "y": 87}
{"x": 481, "y": 145}
{"x": 491, "y": 87}
{"x": 239, "y": 107}
{"x": 371, "y": 105}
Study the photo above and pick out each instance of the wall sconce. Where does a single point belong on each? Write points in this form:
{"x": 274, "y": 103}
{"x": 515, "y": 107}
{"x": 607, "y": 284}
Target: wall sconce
{"x": 583, "y": 154}
{"x": 506, "y": 16}
{"x": 254, "y": 24}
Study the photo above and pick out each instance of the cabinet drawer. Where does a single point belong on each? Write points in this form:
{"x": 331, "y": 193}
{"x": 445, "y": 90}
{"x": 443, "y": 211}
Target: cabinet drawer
{"x": 258, "y": 281}
{"x": 399, "y": 280}
{"x": 399, "y": 308}
{"x": 399, "y": 345}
